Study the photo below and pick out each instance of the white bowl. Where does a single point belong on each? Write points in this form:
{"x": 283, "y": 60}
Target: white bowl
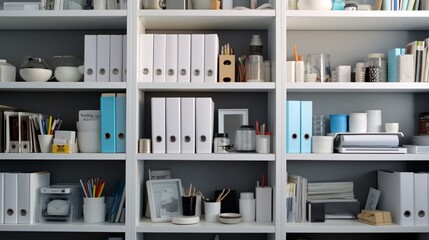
{"x": 89, "y": 142}
{"x": 88, "y": 126}
{"x": 35, "y": 74}
{"x": 67, "y": 74}
{"x": 314, "y": 4}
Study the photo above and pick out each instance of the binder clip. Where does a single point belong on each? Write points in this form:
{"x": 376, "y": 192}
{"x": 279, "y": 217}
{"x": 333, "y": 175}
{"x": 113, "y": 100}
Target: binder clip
{"x": 375, "y": 217}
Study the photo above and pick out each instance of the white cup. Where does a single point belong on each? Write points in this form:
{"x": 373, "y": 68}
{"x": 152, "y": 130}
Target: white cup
{"x": 45, "y": 143}
{"x": 100, "y": 4}
{"x": 322, "y": 144}
{"x": 374, "y": 120}
{"x": 299, "y": 71}
{"x": 263, "y": 143}
{"x": 358, "y": 122}
{"x": 212, "y": 211}
{"x": 391, "y": 127}
{"x": 94, "y": 210}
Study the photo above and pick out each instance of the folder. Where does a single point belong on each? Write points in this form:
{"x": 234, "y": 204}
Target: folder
{"x": 172, "y": 117}
{"x": 421, "y": 199}
{"x": 293, "y": 133}
{"x": 146, "y": 58}
{"x": 197, "y": 58}
{"x": 108, "y": 122}
{"x": 90, "y": 58}
{"x": 211, "y": 53}
{"x": 120, "y": 114}
{"x": 184, "y": 58}
{"x": 12, "y": 132}
{"x": 115, "y": 58}
{"x": 124, "y": 58}
{"x": 158, "y": 124}
{"x": 29, "y": 185}
{"x": 397, "y": 196}
{"x": 392, "y": 63}
{"x": 171, "y": 58}
{"x": 187, "y": 121}
{"x": 103, "y": 58}
{"x": 10, "y": 198}
{"x": 204, "y": 118}
{"x": 306, "y": 126}
{"x": 159, "y": 54}
{"x": 2, "y": 191}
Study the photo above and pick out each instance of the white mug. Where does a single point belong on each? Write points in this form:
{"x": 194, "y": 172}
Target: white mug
{"x": 358, "y": 122}
{"x": 391, "y": 127}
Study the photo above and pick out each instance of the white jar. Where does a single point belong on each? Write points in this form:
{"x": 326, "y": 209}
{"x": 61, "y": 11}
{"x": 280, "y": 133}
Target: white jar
{"x": 247, "y": 206}
{"x": 7, "y": 71}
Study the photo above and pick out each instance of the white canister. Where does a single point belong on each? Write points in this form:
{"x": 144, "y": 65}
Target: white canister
{"x": 358, "y": 122}
{"x": 322, "y": 144}
{"x": 374, "y": 120}
{"x": 247, "y": 206}
{"x": 7, "y": 71}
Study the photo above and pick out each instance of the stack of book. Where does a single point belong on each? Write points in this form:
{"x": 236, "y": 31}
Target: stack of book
{"x": 368, "y": 143}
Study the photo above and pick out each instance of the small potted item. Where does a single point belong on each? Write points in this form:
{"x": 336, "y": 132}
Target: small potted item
{"x": 35, "y": 70}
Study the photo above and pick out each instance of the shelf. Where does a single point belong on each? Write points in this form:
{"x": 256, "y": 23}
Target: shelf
{"x": 207, "y": 19}
{"x": 61, "y": 86}
{"x": 78, "y": 226}
{"x": 354, "y": 87}
{"x": 356, "y": 20}
{"x": 350, "y": 226}
{"x": 207, "y": 87}
{"x": 253, "y": 157}
{"x": 61, "y": 157}
{"x": 63, "y": 19}
{"x": 356, "y": 157}
{"x": 146, "y": 225}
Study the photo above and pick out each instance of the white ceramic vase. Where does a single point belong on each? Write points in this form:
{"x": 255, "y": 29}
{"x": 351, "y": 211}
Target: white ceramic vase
{"x": 314, "y": 4}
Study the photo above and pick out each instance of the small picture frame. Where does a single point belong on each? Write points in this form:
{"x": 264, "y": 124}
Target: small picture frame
{"x": 165, "y": 199}
{"x": 230, "y": 120}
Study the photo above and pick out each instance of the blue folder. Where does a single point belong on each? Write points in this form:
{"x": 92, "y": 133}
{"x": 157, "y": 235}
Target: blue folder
{"x": 293, "y": 133}
{"x": 120, "y": 122}
{"x": 306, "y": 126}
{"x": 108, "y": 122}
{"x": 392, "y": 63}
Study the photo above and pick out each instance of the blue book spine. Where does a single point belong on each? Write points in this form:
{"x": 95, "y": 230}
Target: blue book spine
{"x": 392, "y": 63}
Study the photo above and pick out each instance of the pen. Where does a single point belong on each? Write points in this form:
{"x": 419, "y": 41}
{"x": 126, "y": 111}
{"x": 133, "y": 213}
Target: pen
{"x": 101, "y": 190}
{"x": 83, "y": 187}
{"x": 49, "y": 125}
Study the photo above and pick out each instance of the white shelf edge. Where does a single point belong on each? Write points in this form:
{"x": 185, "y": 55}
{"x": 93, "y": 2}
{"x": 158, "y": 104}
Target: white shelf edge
{"x": 351, "y": 226}
{"x": 364, "y": 87}
{"x": 78, "y": 226}
{"x": 207, "y": 13}
{"x": 356, "y": 157}
{"x": 55, "y": 156}
{"x": 146, "y": 226}
{"x": 61, "y": 86}
{"x": 207, "y": 157}
{"x": 225, "y": 87}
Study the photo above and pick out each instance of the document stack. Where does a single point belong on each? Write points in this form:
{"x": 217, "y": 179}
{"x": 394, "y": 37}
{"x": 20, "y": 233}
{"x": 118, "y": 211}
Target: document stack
{"x": 296, "y": 198}
{"x": 405, "y": 195}
{"x": 336, "y": 198}
{"x": 368, "y": 143}
{"x": 419, "y": 144}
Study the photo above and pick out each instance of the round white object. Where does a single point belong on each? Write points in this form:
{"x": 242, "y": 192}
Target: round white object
{"x": 185, "y": 220}
{"x": 67, "y": 74}
{"x": 322, "y": 144}
{"x": 230, "y": 218}
{"x": 314, "y": 4}
{"x": 35, "y": 74}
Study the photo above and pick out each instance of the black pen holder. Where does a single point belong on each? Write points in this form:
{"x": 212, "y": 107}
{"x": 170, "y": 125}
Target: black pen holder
{"x": 229, "y": 203}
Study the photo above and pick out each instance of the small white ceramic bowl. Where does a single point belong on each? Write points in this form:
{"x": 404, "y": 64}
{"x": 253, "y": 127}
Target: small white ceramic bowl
{"x": 89, "y": 142}
{"x": 35, "y": 74}
{"x": 88, "y": 126}
{"x": 67, "y": 74}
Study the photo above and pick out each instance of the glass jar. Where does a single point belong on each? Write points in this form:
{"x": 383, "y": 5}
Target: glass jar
{"x": 245, "y": 139}
{"x": 221, "y": 143}
{"x": 255, "y": 68}
{"x": 376, "y": 68}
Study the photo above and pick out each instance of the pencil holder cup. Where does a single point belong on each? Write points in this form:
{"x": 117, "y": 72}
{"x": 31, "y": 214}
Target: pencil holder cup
{"x": 94, "y": 210}
{"x": 263, "y": 143}
{"x": 188, "y": 205}
{"x": 226, "y": 68}
{"x": 45, "y": 143}
{"x": 212, "y": 211}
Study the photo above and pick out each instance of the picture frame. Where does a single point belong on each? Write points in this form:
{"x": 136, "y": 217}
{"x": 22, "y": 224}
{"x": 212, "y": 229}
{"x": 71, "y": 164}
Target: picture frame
{"x": 165, "y": 199}
{"x": 229, "y": 120}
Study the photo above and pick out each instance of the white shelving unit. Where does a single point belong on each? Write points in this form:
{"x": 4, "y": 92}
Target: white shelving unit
{"x": 347, "y": 36}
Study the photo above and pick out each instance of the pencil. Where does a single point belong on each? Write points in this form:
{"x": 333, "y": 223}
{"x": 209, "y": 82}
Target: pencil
{"x": 101, "y": 190}
{"x": 295, "y": 54}
{"x": 49, "y": 125}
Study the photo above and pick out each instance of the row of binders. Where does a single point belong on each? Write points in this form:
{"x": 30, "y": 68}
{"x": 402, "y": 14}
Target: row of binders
{"x": 405, "y": 195}
{"x": 20, "y": 196}
{"x": 409, "y": 64}
{"x": 178, "y": 58}
{"x": 299, "y": 126}
{"x": 105, "y": 58}
{"x": 113, "y": 122}
{"x": 182, "y": 125}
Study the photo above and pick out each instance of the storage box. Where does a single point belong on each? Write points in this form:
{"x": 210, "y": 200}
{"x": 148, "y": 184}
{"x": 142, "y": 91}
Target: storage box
{"x": 226, "y": 68}
{"x": 60, "y": 203}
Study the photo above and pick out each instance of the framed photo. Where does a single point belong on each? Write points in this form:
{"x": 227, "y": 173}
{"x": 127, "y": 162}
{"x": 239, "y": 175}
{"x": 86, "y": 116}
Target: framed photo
{"x": 230, "y": 120}
{"x": 165, "y": 199}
